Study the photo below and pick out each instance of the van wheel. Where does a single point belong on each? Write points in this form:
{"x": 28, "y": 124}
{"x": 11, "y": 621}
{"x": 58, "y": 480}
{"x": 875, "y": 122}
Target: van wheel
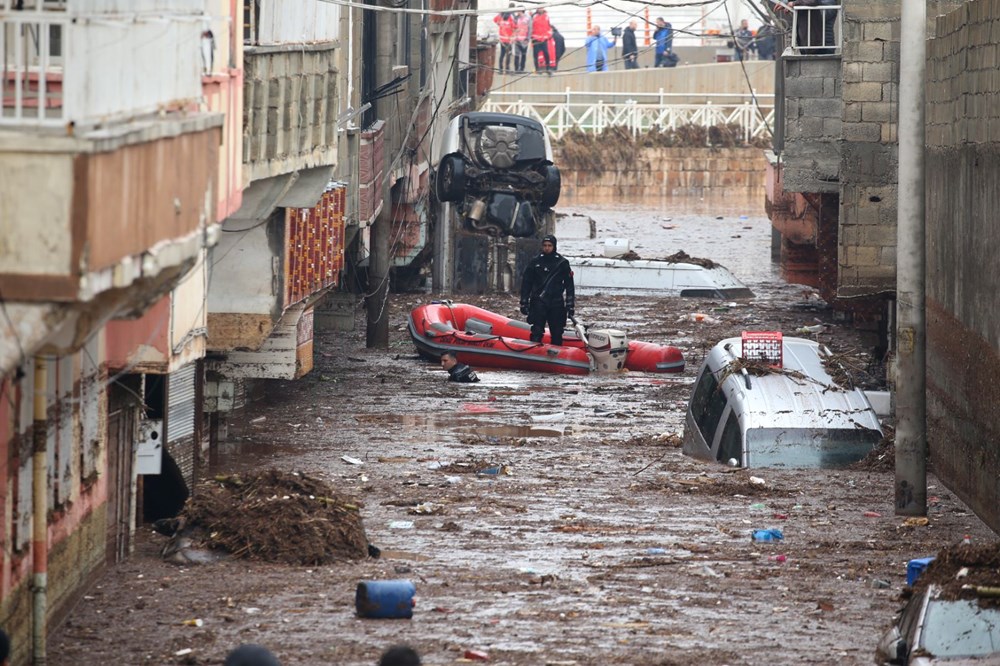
{"x": 553, "y": 183}
{"x": 450, "y": 182}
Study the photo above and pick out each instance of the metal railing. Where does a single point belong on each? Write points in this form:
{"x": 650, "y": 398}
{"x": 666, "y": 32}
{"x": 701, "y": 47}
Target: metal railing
{"x": 817, "y": 30}
{"x": 31, "y": 79}
{"x": 639, "y": 116}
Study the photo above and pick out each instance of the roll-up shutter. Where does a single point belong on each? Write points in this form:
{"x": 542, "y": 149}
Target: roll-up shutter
{"x": 180, "y": 403}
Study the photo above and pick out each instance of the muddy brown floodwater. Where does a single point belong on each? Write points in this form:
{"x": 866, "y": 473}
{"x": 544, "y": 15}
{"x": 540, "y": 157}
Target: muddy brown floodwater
{"x": 601, "y": 544}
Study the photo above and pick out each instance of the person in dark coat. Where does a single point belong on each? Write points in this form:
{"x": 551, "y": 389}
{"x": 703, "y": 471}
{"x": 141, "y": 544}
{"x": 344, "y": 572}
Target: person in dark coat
{"x": 559, "y": 43}
{"x": 630, "y": 48}
{"x": 458, "y": 372}
{"x": 544, "y": 281}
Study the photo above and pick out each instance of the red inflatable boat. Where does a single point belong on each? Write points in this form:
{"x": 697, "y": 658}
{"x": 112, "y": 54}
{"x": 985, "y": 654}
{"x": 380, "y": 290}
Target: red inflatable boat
{"x": 485, "y": 339}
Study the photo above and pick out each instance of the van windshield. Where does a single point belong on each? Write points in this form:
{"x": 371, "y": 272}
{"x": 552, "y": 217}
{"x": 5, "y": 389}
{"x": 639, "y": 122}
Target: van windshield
{"x": 808, "y": 447}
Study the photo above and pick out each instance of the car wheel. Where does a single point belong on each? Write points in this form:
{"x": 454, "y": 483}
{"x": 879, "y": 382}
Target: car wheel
{"x": 553, "y": 183}
{"x": 450, "y": 182}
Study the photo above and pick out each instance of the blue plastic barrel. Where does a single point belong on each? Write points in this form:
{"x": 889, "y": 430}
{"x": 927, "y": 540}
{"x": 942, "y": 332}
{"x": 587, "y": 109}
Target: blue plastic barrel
{"x": 385, "y": 599}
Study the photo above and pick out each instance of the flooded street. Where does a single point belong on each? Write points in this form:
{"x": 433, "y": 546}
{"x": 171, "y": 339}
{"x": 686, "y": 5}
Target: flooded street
{"x": 597, "y": 542}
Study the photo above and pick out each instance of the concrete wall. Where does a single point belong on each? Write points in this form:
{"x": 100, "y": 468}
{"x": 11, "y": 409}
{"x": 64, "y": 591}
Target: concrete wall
{"x": 867, "y": 244}
{"x": 671, "y": 172}
{"x": 963, "y": 242}
{"x": 713, "y": 78}
{"x": 290, "y": 109}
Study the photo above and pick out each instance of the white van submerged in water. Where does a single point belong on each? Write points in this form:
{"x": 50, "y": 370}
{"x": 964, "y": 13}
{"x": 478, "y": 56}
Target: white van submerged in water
{"x": 764, "y": 400}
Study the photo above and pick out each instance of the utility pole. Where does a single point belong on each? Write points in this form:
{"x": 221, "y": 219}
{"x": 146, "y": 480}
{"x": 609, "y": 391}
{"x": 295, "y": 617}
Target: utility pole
{"x": 377, "y": 327}
{"x": 911, "y": 315}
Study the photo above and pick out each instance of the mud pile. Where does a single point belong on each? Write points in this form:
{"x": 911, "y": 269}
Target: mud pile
{"x": 958, "y": 570}
{"x": 275, "y": 517}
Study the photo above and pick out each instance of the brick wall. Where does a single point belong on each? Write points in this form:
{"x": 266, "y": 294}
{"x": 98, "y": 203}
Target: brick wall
{"x": 868, "y": 192}
{"x": 963, "y": 242}
{"x": 813, "y": 111}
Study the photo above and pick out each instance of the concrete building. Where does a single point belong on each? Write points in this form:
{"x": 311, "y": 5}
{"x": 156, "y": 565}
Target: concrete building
{"x": 832, "y": 199}
{"x": 109, "y": 174}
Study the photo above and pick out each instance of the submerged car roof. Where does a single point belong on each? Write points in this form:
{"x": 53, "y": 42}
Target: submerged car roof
{"x": 801, "y": 394}
{"x": 489, "y": 118}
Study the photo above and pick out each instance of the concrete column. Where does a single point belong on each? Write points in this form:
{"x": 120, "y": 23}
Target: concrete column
{"x": 911, "y": 361}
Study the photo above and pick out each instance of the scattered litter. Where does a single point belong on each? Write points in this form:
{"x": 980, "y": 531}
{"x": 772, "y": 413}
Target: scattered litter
{"x": 962, "y": 573}
{"x": 699, "y": 317}
{"x": 427, "y": 509}
{"x": 474, "y": 408}
{"x": 656, "y": 551}
{"x": 193, "y": 623}
{"x": 767, "y": 535}
{"x": 259, "y": 419}
{"x": 476, "y": 655}
{"x": 495, "y": 470}
{"x": 352, "y": 461}
{"x": 780, "y": 516}
{"x": 757, "y": 481}
{"x": 442, "y": 609}
{"x": 251, "y": 610}
{"x": 824, "y": 606}
{"x": 758, "y": 506}
{"x": 453, "y": 479}
{"x": 401, "y": 525}
{"x": 780, "y": 559}
{"x": 872, "y": 514}
{"x": 548, "y": 418}
{"x": 879, "y": 584}
{"x": 184, "y": 652}
{"x": 916, "y": 521}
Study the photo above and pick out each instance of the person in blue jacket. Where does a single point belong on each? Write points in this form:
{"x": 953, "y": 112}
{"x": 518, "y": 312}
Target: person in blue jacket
{"x": 597, "y": 50}
{"x": 663, "y": 37}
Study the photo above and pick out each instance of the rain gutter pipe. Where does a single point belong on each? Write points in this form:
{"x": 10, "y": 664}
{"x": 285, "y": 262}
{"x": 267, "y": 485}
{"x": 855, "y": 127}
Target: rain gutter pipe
{"x": 40, "y": 523}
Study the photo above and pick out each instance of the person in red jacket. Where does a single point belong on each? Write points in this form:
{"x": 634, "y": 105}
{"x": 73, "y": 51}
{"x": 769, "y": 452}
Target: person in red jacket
{"x": 541, "y": 34}
{"x": 505, "y": 26}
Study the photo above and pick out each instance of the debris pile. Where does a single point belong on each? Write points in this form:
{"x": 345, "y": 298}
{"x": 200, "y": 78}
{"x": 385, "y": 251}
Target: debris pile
{"x": 966, "y": 571}
{"x": 275, "y": 517}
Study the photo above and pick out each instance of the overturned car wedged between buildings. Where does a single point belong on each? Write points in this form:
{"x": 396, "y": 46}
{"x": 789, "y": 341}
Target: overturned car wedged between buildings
{"x": 496, "y": 174}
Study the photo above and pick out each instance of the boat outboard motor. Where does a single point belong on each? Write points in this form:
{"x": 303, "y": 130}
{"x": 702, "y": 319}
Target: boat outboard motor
{"x": 608, "y": 349}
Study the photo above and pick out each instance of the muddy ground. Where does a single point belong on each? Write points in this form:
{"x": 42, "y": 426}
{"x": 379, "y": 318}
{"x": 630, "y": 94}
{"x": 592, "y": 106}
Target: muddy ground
{"x": 601, "y": 544}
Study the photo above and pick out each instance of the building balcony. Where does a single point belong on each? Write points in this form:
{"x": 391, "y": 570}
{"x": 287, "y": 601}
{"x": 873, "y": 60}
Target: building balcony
{"x": 76, "y": 64}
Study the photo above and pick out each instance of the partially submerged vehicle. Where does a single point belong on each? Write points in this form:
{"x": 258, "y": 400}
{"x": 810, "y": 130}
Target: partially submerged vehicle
{"x": 936, "y": 628}
{"x": 496, "y": 174}
{"x": 765, "y": 400}
{"x": 655, "y": 276}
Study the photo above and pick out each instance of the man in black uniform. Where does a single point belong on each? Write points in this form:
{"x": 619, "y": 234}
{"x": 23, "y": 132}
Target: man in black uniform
{"x": 457, "y": 372}
{"x": 545, "y": 279}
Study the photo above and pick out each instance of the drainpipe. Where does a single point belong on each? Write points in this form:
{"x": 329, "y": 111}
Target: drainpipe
{"x": 377, "y": 328}
{"x": 40, "y": 510}
{"x": 911, "y": 360}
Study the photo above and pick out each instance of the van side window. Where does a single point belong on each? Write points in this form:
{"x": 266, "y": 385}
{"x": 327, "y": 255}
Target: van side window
{"x": 730, "y": 445}
{"x": 707, "y": 405}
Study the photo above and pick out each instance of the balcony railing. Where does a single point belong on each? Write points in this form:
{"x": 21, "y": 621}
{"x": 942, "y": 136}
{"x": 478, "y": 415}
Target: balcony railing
{"x": 817, "y": 30}
{"x": 59, "y": 67}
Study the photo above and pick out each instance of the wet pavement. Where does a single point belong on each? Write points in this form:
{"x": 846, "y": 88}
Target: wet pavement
{"x": 594, "y": 542}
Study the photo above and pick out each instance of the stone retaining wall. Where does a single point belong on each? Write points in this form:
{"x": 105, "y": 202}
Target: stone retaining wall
{"x": 671, "y": 172}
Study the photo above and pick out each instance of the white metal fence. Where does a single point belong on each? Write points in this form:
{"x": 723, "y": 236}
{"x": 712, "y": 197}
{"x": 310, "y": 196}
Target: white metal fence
{"x": 637, "y": 112}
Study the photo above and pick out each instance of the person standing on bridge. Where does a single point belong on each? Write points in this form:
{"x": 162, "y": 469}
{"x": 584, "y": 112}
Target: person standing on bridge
{"x": 545, "y": 279}
{"x": 597, "y": 50}
{"x": 663, "y": 37}
{"x": 541, "y": 34}
{"x": 505, "y": 28}
{"x": 522, "y": 37}
{"x": 630, "y": 48}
